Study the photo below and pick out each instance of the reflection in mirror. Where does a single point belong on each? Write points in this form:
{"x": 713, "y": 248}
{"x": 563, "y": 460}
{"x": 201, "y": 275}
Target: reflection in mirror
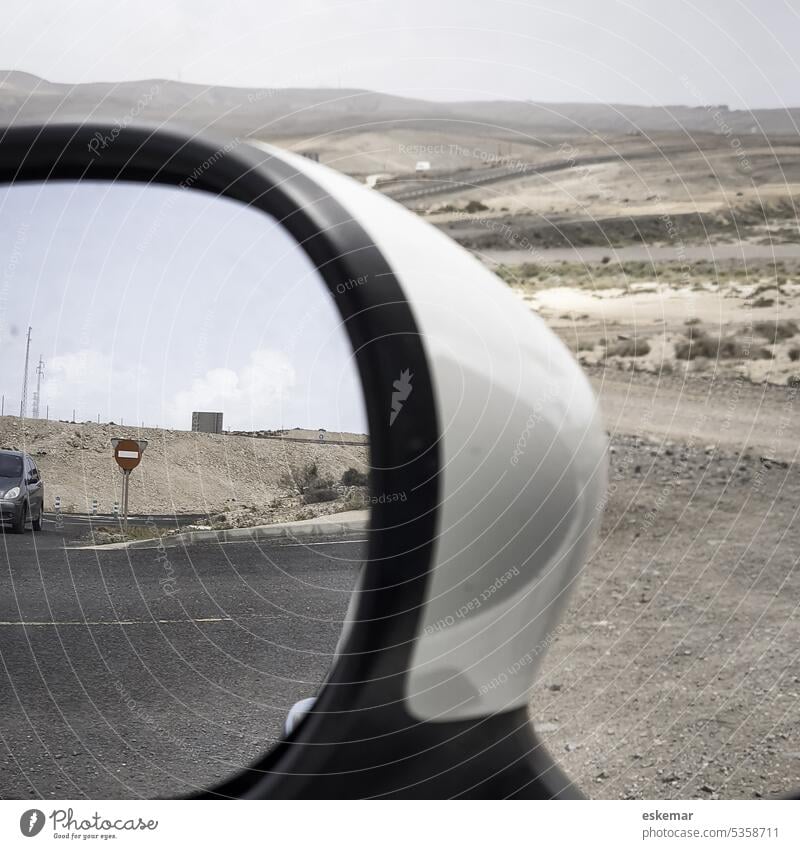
{"x": 158, "y": 656}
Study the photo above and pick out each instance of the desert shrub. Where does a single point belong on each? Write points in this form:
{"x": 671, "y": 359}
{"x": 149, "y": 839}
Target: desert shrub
{"x": 793, "y": 381}
{"x": 776, "y": 330}
{"x": 317, "y": 495}
{"x": 764, "y": 302}
{"x": 355, "y": 501}
{"x": 475, "y": 206}
{"x": 794, "y": 354}
{"x": 691, "y": 322}
{"x": 352, "y": 477}
{"x": 529, "y": 269}
{"x": 697, "y": 345}
{"x": 716, "y": 348}
{"x": 304, "y": 480}
{"x": 628, "y": 348}
{"x": 584, "y": 345}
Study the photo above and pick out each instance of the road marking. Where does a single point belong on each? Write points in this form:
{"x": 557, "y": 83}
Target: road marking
{"x": 116, "y": 622}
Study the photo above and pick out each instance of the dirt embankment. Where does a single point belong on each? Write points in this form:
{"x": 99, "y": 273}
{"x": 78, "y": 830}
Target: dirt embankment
{"x": 675, "y": 674}
{"x": 181, "y": 471}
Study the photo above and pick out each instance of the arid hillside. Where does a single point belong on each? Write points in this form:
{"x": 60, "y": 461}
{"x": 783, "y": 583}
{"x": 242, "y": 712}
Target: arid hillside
{"x": 181, "y": 471}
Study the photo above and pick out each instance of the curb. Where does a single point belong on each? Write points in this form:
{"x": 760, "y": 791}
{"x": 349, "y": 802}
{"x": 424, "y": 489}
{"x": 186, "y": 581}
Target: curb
{"x": 353, "y": 522}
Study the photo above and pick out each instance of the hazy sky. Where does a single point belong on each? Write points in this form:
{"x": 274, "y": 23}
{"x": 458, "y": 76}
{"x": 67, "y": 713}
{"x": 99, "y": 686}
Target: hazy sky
{"x": 150, "y": 302}
{"x": 740, "y": 52}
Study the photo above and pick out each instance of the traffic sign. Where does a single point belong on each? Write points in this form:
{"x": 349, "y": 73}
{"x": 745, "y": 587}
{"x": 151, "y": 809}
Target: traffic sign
{"x": 128, "y": 452}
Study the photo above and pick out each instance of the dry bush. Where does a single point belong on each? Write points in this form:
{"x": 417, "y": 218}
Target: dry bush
{"x": 307, "y": 482}
{"x": 628, "y": 348}
{"x": 716, "y": 348}
{"x": 775, "y": 331}
{"x": 319, "y": 494}
{"x": 352, "y": 477}
{"x": 794, "y": 354}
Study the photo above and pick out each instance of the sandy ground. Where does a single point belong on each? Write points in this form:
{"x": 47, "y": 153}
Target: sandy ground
{"x": 676, "y": 672}
{"x": 703, "y": 318}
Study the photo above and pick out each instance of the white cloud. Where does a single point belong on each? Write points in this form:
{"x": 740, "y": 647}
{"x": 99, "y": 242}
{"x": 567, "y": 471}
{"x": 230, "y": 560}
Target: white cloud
{"x": 250, "y": 398}
{"x": 90, "y": 382}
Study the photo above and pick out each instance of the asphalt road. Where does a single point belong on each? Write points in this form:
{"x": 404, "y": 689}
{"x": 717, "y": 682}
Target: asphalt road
{"x": 146, "y": 673}
{"x": 461, "y": 181}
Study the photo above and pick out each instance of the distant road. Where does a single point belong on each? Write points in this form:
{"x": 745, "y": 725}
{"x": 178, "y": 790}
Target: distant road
{"x": 738, "y": 415}
{"x": 460, "y": 181}
{"x": 643, "y": 253}
{"x": 143, "y": 673}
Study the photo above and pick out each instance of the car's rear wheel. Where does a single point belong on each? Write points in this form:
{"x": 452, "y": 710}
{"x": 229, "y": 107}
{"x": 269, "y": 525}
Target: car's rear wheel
{"x": 20, "y": 519}
{"x": 36, "y": 523}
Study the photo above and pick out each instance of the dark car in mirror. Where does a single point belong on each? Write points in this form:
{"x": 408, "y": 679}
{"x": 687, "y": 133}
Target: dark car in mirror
{"x": 21, "y": 491}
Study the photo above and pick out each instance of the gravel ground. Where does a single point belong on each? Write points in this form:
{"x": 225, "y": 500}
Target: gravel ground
{"x": 676, "y": 672}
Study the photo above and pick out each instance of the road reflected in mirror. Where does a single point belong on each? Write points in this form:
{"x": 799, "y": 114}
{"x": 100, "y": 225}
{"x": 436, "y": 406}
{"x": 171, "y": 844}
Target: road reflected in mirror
{"x": 183, "y": 486}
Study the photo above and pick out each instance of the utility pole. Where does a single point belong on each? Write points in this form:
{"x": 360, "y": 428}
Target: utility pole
{"x": 37, "y": 396}
{"x": 23, "y": 406}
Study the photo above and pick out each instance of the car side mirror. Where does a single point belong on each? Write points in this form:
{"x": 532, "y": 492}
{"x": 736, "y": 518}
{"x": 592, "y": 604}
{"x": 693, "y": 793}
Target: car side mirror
{"x": 488, "y": 473}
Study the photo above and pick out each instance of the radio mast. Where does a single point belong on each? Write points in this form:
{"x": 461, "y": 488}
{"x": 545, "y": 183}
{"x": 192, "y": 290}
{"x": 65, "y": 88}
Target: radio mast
{"x": 37, "y": 396}
{"x": 23, "y": 406}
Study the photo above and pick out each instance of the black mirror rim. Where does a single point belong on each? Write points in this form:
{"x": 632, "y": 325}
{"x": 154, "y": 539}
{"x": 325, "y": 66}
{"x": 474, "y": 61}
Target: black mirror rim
{"x": 382, "y": 330}
{"x": 359, "y": 740}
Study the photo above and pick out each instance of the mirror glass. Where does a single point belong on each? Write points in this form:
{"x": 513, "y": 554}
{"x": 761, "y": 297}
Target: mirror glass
{"x": 177, "y": 354}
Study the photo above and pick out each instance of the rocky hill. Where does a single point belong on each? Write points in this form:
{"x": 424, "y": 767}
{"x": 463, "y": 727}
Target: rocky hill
{"x": 181, "y": 471}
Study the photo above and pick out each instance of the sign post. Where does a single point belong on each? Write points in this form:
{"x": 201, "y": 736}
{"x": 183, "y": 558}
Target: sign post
{"x": 128, "y": 454}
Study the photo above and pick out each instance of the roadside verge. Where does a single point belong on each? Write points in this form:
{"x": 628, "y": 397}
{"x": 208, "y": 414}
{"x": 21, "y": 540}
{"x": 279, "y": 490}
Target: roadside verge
{"x": 335, "y": 524}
